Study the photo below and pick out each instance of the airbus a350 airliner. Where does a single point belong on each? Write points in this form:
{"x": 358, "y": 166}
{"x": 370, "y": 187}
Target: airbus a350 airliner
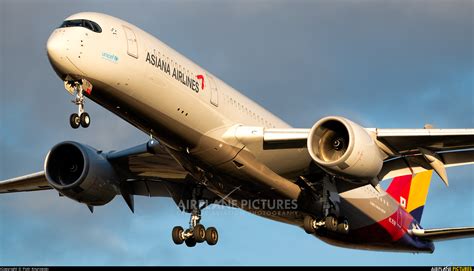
{"x": 209, "y": 144}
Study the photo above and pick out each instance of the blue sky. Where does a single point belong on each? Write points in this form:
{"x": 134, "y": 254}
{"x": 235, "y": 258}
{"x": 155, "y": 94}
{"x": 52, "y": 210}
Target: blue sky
{"x": 397, "y": 64}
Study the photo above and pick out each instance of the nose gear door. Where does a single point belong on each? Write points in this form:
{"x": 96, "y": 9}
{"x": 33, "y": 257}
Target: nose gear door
{"x": 132, "y": 44}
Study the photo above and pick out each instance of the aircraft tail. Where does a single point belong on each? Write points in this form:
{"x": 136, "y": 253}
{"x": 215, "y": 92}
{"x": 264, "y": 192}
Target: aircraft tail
{"x": 411, "y": 192}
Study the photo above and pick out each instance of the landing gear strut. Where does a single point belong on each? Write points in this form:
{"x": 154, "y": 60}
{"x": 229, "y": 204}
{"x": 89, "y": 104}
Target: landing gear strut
{"x": 330, "y": 222}
{"x": 196, "y": 233}
{"x": 76, "y": 88}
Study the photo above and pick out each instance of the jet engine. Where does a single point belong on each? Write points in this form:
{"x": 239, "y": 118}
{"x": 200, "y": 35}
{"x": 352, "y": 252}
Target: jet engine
{"x": 342, "y": 147}
{"x": 81, "y": 173}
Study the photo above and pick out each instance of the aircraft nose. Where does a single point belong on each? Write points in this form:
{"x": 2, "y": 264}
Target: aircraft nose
{"x": 55, "y": 48}
{"x": 59, "y": 50}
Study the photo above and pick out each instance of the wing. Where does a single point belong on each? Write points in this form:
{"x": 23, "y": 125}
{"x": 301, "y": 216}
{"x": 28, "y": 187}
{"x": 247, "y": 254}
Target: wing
{"x": 413, "y": 150}
{"x": 408, "y": 151}
{"x": 444, "y": 233}
{"x": 395, "y": 142}
{"x": 148, "y": 165}
{"x": 31, "y": 182}
{"x": 407, "y": 141}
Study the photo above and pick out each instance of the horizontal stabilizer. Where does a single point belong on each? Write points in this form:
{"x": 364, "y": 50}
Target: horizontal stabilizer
{"x": 443, "y": 234}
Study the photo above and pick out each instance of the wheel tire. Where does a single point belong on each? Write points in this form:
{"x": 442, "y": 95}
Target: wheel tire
{"x": 343, "y": 226}
{"x": 190, "y": 242}
{"x": 85, "y": 120}
{"x": 212, "y": 236}
{"x": 74, "y": 121}
{"x": 176, "y": 233}
{"x": 331, "y": 223}
{"x": 199, "y": 233}
{"x": 308, "y": 225}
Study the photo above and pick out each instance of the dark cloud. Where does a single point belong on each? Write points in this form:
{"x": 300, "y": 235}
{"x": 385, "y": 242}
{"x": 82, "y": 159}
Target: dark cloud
{"x": 381, "y": 63}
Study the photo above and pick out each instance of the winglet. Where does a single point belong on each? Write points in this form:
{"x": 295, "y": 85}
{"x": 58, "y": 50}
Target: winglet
{"x": 436, "y": 164}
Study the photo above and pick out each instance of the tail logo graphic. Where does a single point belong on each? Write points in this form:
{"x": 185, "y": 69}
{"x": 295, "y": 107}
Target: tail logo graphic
{"x": 403, "y": 202}
{"x": 411, "y": 192}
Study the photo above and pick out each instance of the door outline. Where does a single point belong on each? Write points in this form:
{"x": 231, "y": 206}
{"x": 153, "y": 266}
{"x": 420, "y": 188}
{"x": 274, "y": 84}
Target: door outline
{"x": 214, "y": 99}
{"x": 132, "y": 44}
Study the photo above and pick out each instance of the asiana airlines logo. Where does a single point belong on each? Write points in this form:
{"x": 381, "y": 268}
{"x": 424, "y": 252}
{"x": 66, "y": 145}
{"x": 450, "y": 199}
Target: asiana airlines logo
{"x": 195, "y": 84}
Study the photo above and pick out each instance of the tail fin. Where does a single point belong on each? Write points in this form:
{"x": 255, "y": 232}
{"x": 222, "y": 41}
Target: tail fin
{"x": 411, "y": 192}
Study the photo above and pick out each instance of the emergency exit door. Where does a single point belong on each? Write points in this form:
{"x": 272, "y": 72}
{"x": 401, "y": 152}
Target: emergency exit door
{"x": 213, "y": 89}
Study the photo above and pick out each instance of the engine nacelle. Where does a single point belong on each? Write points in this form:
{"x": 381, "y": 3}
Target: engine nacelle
{"x": 342, "y": 147}
{"x": 81, "y": 173}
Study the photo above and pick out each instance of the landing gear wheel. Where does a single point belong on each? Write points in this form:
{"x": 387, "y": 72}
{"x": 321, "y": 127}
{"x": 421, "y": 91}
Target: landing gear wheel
{"x": 85, "y": 120}
{"x": 177, "y": 235}
{"x": 211, "y": 236}
{"x": 77, "y": 89}
{"x": 199, "y": 233}
{"x": 343, "y": 226}
{"x": 190, "y": 242}
{"x": 308, "y": 224}
{"x": 74, "y": 121}
{"x": 196, "y": 233}
{"x": 331, "y": 223}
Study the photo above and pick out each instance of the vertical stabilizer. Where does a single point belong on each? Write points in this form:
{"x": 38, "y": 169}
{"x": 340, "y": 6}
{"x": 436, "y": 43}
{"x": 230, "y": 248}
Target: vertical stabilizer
{"x": 411, "y": 192}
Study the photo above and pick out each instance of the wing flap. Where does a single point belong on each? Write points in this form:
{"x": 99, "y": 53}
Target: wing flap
{"x": 417, "y": 163}
{"x": 443, "y": 233}
{"x": 148, "y": 160}
{"x": 153, "y": 188}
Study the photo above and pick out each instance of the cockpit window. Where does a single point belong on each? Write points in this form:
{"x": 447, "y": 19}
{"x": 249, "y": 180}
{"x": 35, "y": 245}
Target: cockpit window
{"x": 82, "y": 23}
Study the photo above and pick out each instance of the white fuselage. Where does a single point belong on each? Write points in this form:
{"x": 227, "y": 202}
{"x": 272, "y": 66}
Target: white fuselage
{"x": 165, "y": 90}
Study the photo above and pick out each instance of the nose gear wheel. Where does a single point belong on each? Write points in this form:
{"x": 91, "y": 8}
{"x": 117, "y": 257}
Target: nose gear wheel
{"x": 77, "y": 88}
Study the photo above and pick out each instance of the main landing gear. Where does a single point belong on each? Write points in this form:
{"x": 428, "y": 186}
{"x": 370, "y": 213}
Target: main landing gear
{"x": 330, "y": 222}
{"x": 76, "y": 88}
{"x": 196, "y": 233}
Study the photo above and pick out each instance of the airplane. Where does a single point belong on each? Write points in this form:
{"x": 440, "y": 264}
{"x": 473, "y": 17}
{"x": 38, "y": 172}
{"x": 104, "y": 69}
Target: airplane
{"x": 211, "y": 145}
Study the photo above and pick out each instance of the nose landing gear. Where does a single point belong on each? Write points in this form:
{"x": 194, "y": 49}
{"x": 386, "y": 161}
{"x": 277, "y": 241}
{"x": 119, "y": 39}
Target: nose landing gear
{"x": 77, "y": 88}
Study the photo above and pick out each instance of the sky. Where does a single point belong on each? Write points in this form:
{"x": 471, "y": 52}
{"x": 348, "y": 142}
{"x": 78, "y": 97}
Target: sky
{"x": 385, "y": 64}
